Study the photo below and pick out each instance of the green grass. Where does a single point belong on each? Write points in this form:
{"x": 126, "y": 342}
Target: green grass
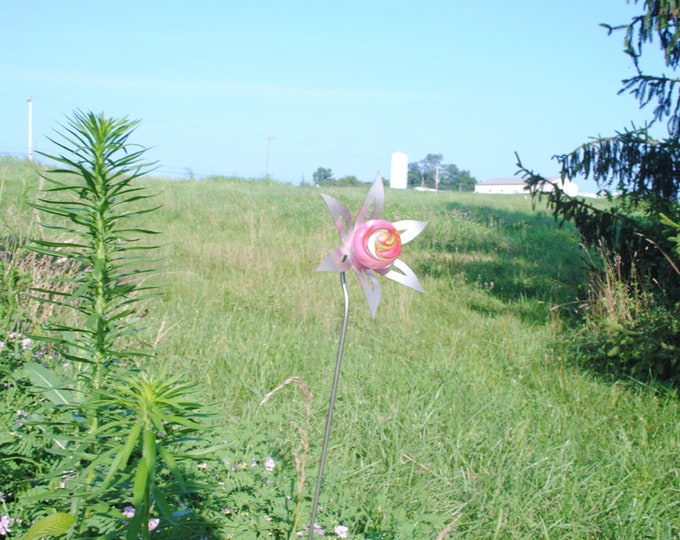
{"x": 456, "y": 408}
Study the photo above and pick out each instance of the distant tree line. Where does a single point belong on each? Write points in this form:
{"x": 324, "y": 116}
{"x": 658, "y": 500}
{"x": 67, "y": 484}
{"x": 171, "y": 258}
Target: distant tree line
{"x": 324, "y": 177}
{"x": 429, "y": 172}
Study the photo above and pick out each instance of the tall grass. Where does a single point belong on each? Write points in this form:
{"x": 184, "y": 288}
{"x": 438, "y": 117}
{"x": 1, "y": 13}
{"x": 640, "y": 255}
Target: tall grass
{"x": 458, "y": 412}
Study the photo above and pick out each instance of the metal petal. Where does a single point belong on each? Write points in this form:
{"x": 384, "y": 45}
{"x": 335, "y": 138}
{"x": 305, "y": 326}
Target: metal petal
{"x": 406, "y": 276}
{"x": 373, "y": 203}
{"x": 371, "y": 289}
{"x": 340, "y": 214}
{"x": 409, "y": 229}
{"x": 335, "y": 262}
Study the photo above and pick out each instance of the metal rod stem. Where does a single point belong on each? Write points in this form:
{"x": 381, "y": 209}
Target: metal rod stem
{"x": 331, "y": 405}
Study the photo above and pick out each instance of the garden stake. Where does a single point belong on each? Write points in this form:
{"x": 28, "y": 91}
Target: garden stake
{"x": 370, "y": 245}
{"x": 331, "y": 405}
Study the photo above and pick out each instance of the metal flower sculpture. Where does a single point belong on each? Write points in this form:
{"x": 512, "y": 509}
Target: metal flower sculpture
{"x": 371, "y": 245}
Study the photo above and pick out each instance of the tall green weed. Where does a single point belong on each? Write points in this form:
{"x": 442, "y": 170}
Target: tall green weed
{"x": 106, "y": 432}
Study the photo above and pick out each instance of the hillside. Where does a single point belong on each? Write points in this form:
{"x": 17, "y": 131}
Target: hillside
{"x": 457, "y": 407}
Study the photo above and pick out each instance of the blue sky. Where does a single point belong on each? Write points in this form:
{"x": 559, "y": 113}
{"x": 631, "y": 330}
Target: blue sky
{"x": 321, "y": 83}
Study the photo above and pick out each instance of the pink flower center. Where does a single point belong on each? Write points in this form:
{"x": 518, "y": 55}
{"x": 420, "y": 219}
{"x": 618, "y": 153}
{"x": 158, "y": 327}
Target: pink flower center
{"x": 376, "y": 244}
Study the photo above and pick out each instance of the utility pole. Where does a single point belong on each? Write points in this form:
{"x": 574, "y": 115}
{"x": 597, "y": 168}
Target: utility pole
{"x": 436, "y": 178}
{"x": 30, "y": 129}
{"x": 269, "y": 143}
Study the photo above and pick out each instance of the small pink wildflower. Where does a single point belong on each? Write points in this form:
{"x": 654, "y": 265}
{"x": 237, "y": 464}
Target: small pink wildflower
{"x": 153, "y": 523}
{"x": 5, "y": 523}
{"x": 269, "y": 464}
{"x": 129, "y": 512}
{"x": 317, "y": 530}
{"x": 26, "y": 343}
{"x": 203, "y": 466}
{"x": 341, "y": 531}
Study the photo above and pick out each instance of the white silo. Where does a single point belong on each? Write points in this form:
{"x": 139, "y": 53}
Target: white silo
{"x": 399, "y": 170}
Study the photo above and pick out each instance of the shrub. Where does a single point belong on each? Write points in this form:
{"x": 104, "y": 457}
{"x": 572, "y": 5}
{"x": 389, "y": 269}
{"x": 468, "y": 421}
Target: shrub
{"x": 631, "y": 329}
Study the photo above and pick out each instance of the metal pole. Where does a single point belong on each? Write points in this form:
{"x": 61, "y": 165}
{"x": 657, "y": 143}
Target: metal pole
{"x": 331, "y": 405}
{"x": 269, "y": 142}
{"x": 30, "y": 129}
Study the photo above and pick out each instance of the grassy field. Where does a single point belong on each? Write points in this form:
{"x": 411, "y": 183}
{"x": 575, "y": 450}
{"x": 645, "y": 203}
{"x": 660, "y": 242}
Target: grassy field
{"x": 459, "y": 414}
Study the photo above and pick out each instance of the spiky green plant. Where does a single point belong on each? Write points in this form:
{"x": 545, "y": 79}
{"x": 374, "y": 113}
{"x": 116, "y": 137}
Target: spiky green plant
{"x": 93, "y": 195}
{"x": 89, "y": 199}
{"x": 112, "y": 420}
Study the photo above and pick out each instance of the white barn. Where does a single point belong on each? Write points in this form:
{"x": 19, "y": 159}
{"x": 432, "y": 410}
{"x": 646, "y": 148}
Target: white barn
{"x": 509, "y": 186}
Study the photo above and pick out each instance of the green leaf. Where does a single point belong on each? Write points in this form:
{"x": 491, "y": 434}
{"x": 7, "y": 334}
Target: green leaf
{"x": 52, "y": 385}
{"x": 171, "y": 463}
{"x": 149, "y": 450}
{"x": 124, "y": 453}
{"x": 161, "y": 502}
{"x": 51, "y": 525}
{"x": 141, "y": 484}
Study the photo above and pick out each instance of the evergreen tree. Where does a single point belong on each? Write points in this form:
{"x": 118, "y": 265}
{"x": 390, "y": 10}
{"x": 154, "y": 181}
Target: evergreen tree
{"x": 638, "y": 171}
{"x": 631, "y": 319}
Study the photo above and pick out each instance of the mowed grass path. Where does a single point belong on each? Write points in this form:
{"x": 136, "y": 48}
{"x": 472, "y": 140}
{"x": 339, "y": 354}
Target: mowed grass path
{"x": 458, "y": 408}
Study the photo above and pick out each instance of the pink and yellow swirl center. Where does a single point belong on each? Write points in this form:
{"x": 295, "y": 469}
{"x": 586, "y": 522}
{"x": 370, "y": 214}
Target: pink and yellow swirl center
{"x": 376, "y": 244}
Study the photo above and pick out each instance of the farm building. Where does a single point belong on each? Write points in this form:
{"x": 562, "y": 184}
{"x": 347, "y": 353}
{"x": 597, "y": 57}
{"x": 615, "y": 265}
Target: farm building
{"x": 508, "y": 186}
